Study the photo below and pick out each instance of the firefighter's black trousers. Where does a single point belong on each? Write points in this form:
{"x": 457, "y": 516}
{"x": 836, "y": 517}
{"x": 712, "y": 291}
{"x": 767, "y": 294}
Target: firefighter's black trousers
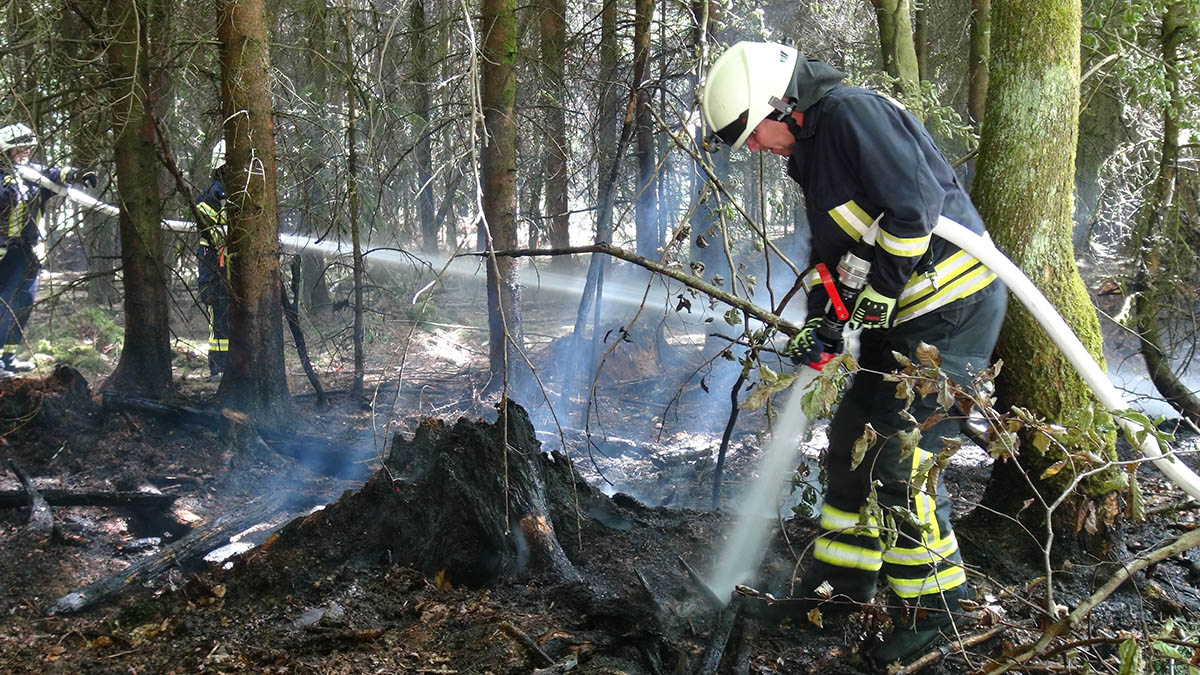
{"x": 923, "y": 567}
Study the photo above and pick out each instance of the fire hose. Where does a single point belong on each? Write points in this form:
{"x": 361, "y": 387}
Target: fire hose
{"x": 854, "y": 279}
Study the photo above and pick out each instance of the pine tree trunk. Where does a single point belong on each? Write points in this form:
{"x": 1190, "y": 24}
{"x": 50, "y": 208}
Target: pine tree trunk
{"x": 1159, "y": 228}
{"x": 645, "y": 216}
{"x": 554, "y": 33}
{"x": 255, "y": 381}
{"x": 506, "y": 334}
{"x": 145, "y": 364}
{"x": 422, "y": 130}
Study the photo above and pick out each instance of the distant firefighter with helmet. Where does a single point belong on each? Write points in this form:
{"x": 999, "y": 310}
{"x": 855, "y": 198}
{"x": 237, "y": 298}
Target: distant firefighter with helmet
{"x": 22, "y": 203}
{"x": 875, "y": 185}
{"x": 212, "y": 273}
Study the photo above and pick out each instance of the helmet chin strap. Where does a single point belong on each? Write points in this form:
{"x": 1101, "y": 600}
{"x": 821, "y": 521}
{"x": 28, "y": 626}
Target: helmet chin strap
{"x": 784, "y": 108}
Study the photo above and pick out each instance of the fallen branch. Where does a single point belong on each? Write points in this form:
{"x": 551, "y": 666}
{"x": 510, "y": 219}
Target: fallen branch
{"x": 17, "y": 498}
{"x": 195, "y": 544}
{"x": 527, "y": 642}
{"x": 1028, "y": 652}
{"x": 676, "y": 273}
{"x": 699, "y": 581}
{"x": 728, "y": 618}
{"x": 937, "y": 654}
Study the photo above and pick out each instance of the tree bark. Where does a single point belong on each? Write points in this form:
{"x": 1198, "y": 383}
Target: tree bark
{"x": 977, "y": 60}
{"x": 145, "y": 363}
{"x": 1158, "y": 230}
{"x": 1024, "y": 193}
{"x": 553, "y": 27}
{"x": 421, "y": 128}
{"x": 898, "y": 50}
{"x": 645, "y": 216}
{"x": 506, "y": 333}
{"x": 356, "y": 388}
{"x": 255, "y": 381}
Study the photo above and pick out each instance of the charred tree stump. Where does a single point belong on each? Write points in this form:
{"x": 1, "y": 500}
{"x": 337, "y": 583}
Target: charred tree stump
{"x": 500, "y": 507}
{"x": 41, "y": 521}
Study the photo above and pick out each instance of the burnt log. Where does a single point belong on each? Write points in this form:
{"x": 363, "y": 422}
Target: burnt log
{"x": 194, "y": 545}
{"x": 54, "y": 497}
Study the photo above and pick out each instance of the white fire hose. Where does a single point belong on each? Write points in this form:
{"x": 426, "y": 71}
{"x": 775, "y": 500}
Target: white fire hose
{"x": 978, "y": 246}
{"x": 1029, "y": 295}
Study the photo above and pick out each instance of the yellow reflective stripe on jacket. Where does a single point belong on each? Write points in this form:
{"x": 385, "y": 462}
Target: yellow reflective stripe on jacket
{"x": 852, "y": 219}
{"x": 16, "y": 219}
{"x": 837, "y": 520}
{"x": 903, "y": 247}
{"x": 934, "y": 552}
{"x": 968, "y": 282}
{"x": 841, "y": 554}
{"x": 947, "y": 579}
{"x": 812, "y": 279}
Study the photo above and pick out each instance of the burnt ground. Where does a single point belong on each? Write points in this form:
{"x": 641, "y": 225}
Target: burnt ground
{"x": 323, "y": 595}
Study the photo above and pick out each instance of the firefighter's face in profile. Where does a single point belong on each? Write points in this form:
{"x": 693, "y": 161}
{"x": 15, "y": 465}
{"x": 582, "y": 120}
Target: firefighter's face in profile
{"x": 772, "y": 136}
{"x": 20, "y": 155}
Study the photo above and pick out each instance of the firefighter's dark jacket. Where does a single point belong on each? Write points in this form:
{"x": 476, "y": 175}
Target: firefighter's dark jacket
{"x": 22, "y": 203}
{"x": 863, "y": 160}
{"x": 211, "y": 253}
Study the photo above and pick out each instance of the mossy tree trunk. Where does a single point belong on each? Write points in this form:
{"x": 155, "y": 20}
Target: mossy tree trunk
{"x": 145, "y": 364}
{"x": 1024, "y": 192}
{"x": 977, "y": 59}
{"x": 255, "y": 380}
{"x": 898, "y": 49}
{"x": 1161, "y": 268}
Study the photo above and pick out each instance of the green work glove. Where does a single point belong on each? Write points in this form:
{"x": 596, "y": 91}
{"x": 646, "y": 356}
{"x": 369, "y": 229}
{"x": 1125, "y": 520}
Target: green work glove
{"x": 872, "y": 310}
{"x": 808, "y": 347}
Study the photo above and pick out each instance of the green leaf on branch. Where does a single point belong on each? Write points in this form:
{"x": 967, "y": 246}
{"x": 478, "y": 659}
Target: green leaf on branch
{"x": 1130, "y": 654}
{"x": 770, "y": 383}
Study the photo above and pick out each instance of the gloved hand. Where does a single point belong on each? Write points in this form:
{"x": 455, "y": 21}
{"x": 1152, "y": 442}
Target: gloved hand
{"x": 808, "y": 348}
{"x": 85, "y": 176}
{"x": 872, "y": 310}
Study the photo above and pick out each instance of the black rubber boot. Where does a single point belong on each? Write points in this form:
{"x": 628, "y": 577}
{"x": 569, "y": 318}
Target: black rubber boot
{"x": 14, "y": 365}
{"x": 920, "y": 628}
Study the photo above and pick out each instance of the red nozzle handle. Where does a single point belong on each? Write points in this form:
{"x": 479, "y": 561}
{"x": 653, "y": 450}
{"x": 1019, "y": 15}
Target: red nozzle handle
{"x": 839, "y": 307}
{"x": 826, "y": 357}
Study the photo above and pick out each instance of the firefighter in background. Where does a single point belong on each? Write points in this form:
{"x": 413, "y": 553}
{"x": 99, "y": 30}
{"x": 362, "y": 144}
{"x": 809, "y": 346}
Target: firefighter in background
{"x": 212, "y": 269}
{"x": 22, "y": 202}
{"x": 868, "y": 167}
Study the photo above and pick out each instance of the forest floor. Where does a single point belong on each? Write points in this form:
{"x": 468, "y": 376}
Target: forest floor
{"x": 281, "y": 608}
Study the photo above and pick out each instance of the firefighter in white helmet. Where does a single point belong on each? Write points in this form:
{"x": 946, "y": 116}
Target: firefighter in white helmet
{"x": 871, "y": 173}
{"x": 22, "y": 202}
{"x": 212, "y": 269}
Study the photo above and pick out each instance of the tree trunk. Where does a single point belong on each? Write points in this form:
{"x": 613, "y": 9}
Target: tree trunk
{"x": 255, "y": 381}
{"x": 421, "y": 128}
{"x": 356, "y": 388}
{"x": 505, "y": 331}
{"x": 1024, "y": 193}
{"x": 977, "y": 60}
{"x": 1158, "y": 229}
{"x": 145, "y": 363}
{"x": 646, "y": 216}
{"x": 554, "y": 35}
{"x": 899, "y": 51}
{"x": 315, "y": 215}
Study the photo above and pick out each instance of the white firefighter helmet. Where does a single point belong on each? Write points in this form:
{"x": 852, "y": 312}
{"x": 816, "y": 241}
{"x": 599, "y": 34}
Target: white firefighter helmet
{"x": 746, "y": 85}
{"x": 218, "y": 155}
{"x": 16, "y": 136}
